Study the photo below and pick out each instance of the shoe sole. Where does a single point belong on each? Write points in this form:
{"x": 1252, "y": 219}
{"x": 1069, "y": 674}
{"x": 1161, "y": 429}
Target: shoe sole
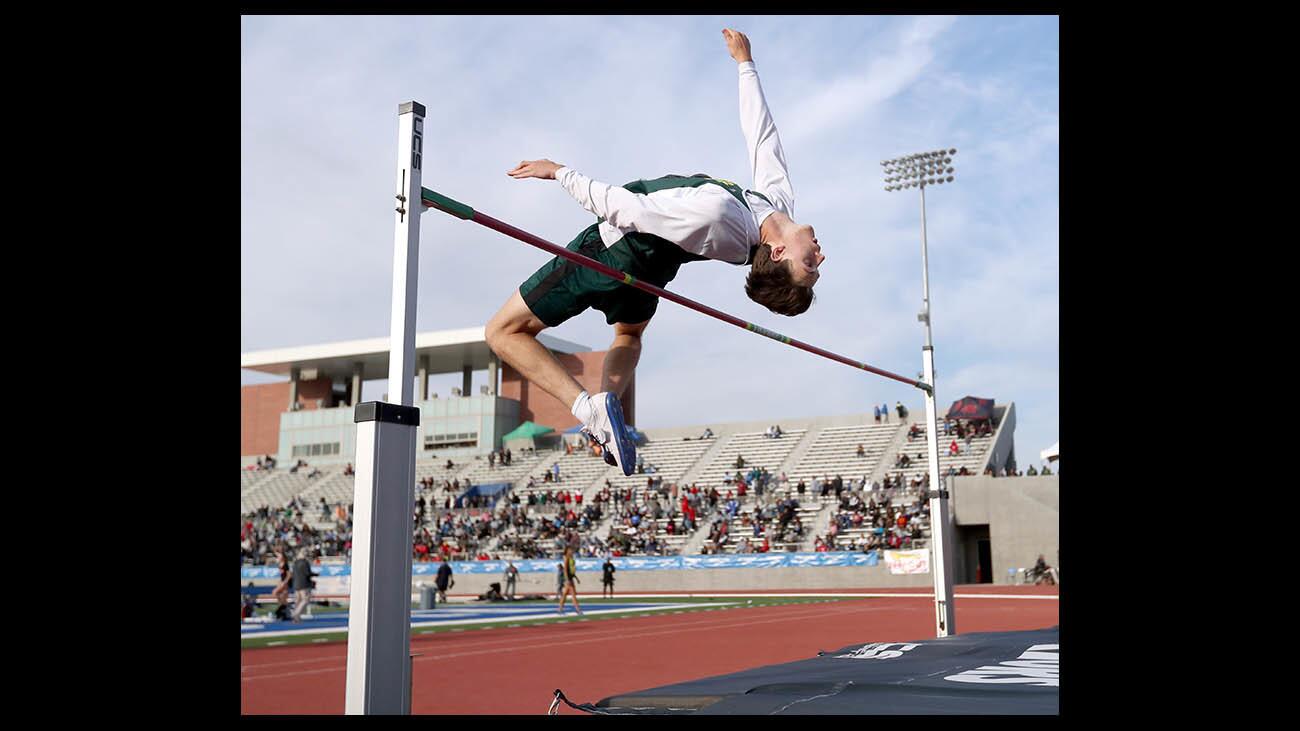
{"x": 626, "y": 450}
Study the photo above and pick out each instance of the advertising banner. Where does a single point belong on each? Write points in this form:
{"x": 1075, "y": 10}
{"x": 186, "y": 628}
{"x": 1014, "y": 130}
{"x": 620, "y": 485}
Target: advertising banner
{"x": 908, "y": 562}
{"x": 624, "y": 563}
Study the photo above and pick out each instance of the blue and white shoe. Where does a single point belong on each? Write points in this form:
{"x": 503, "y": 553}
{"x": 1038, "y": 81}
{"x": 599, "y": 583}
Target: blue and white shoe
{"x": 608, "y": 428}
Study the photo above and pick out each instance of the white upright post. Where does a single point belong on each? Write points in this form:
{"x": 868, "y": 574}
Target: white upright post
{"x": 940, "y": 521}
{"x": 379, "y": 616}
{"x": 945, "y": 617}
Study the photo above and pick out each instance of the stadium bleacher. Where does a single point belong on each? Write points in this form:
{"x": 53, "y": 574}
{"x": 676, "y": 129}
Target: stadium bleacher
{"x": 810, "y": 449}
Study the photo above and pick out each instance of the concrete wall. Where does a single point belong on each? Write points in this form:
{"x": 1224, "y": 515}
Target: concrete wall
{"x": 1022, "y": 515}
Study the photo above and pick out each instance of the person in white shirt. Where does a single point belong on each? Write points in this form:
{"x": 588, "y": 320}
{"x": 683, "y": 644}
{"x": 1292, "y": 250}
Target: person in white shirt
{"x": 648, "y": 229}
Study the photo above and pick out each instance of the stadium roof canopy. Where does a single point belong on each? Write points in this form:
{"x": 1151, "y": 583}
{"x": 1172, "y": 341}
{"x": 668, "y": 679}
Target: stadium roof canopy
{"x": 1052, "y": 453}
{"x": 449, "y": 351}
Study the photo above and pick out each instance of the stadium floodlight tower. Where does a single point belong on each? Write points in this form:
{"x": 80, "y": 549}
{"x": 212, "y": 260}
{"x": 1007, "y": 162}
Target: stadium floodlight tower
{"x": 379, "y": 613}
{"x": 918, "y": 171}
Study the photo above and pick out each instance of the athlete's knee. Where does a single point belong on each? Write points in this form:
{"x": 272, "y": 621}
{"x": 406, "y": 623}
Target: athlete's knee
{"x": 514, "y": 317}
{"x": 630, "y": 335}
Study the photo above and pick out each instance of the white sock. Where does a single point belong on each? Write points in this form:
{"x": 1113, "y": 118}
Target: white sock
{"x": 582, "y": 408}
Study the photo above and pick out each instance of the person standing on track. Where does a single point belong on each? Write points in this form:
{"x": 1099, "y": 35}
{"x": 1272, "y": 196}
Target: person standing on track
{"x": 512, "y": 575}
{"x": 648, "y": 229}
{"x": 443, "y": 580}
{"x": 302, "y": 585}
{"x": 607, "y": 578}
{"x": 281, "y": 592}
{"x": 569, "y": 570}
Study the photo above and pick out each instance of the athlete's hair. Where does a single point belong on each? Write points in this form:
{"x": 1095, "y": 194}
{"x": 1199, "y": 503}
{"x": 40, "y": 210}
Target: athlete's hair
{"x": 769, "y": 283}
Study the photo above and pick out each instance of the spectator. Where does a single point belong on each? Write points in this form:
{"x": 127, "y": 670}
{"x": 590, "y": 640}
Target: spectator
{"x": 512, "y": 574}
{"x": 348, "y": 470}
{"x": 953, "y": 449}
{"x": 302, "y": 585}
{"x": 1031, "y": 472}
{"x": 1045, "y": 471}
{"x": 861, "y": 452}
{"x": 884, "y": 412}
{"x": 902, "y": 410}
{"x": 708, "y": 433}
{"x": 876, "y": 410}
{"x": 249, "y": 603}
{"x": 443, "y": 581}
{"x": 607, "y": 578}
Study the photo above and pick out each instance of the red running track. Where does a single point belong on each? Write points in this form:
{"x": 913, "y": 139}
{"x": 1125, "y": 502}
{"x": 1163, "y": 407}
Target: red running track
{"x": 516, "y": 670}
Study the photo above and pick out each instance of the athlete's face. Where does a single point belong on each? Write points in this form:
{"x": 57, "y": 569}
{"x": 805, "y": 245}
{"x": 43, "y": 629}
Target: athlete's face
{"x": 802, "y": 254}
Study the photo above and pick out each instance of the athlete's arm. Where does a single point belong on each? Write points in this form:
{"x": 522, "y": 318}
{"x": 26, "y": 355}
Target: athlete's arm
{"x": 766, "y": 156}
{"x": 701, "y": 219}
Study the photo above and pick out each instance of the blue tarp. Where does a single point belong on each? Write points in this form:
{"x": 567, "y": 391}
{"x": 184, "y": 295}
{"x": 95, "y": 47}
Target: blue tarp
{"x": 999, "y": 673}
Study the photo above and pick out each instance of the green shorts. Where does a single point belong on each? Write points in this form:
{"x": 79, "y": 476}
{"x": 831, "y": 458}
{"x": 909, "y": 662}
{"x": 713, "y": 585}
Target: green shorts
{"x": 562, "y": 289}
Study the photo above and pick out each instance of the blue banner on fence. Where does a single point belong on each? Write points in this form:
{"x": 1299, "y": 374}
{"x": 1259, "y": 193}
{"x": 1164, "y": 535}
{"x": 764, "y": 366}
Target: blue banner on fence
{"x": 622, "y": 563}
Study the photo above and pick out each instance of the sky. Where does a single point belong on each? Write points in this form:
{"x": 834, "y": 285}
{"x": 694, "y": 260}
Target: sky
{"x": 620, "y": 98}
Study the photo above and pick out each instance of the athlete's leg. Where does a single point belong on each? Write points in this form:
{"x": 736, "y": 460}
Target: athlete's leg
{"x": 512, "y": 334}
{"x": 622, "y": 357}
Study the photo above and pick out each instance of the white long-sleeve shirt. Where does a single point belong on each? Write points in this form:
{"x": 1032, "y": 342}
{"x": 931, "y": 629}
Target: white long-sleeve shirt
{"x": 707, "y": 219}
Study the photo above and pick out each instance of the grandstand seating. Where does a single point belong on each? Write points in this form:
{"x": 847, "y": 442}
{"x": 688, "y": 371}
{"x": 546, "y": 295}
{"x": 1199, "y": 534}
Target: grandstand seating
{"x": 670, "y": 459}
{"x": 834, "y": 452}
{"x": 757, "y": 449}
{"x": 577, "y": 472}
{"x": 812, "y": 451}
{"x": 276, "y": 489}
{"x": 974, "y": 458}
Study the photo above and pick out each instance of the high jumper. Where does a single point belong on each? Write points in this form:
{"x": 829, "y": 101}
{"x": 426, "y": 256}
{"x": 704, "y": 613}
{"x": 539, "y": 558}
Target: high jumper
{"x": 648, "y": 229}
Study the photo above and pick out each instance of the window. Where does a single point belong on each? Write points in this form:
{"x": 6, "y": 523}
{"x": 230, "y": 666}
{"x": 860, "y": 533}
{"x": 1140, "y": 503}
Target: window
{"x": 312, "y": 450}
{"x": 461, "y": 439}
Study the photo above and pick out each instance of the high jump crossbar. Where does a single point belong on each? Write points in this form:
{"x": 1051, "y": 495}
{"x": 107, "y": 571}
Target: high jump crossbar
{"x": 432, "y": 199}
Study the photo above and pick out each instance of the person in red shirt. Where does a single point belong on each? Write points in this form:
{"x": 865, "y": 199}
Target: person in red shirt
{"x": 953, "y": 449}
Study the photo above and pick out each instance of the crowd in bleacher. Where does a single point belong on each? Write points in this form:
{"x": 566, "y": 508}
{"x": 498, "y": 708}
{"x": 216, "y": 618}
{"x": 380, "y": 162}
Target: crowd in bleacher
{"x": 265, "y": 531}
{"x": 887, "y": 525}
{"x": 745, "y": 509}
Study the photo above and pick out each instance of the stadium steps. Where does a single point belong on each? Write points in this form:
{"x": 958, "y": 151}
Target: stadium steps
{"x": 810, "y": 437}
{"x": 898, "y": 441}
{"x": 716, "y": 444}
{"x": 756, "y": 448}
{"x": 834, "y": 452}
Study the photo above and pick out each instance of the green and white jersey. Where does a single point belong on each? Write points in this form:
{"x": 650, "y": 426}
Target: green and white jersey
{"x": 706, "y": 220}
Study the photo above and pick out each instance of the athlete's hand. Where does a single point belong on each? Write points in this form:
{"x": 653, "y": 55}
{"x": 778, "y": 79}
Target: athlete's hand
{"x": 737, "y": 45}
{"x": 544, "y": 169}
